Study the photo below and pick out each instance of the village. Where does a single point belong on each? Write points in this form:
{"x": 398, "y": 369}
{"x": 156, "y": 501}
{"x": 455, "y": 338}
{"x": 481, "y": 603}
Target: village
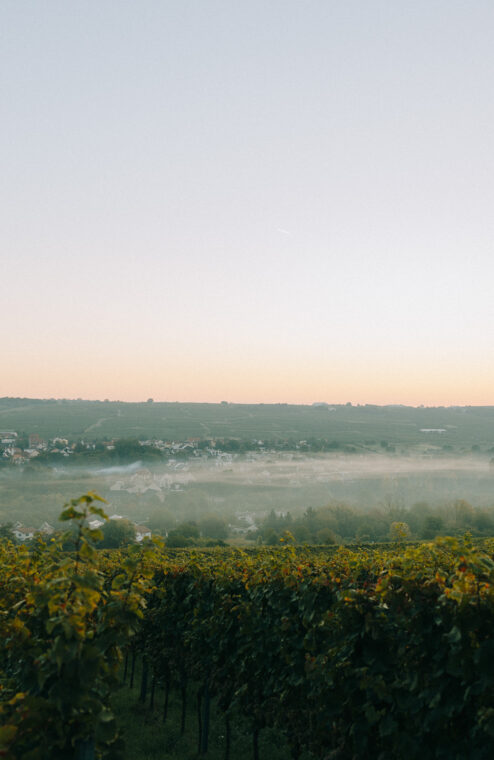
{"x": 13, "y": 450}
{"x": 24, "y": 534}
{"x": 132, "y": 478}
{"x": 19, "y": 449}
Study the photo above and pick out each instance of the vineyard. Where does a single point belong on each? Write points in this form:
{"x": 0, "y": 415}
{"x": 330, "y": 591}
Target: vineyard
{"x": 364, "y": 653}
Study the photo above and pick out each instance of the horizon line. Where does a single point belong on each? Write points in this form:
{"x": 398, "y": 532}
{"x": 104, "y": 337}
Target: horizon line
{"x": 347, "y": 404}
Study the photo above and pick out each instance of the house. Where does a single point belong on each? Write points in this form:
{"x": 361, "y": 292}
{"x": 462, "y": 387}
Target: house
{"x": 8, "y": 438}
{"x": 142, "y": 532}
{"x": 46, "y": 529}
{"x": 95, "y": 524}
{"x": 21, "y": 533}
{"x": 35, "y": 442}
{"x": 243, "y": 530}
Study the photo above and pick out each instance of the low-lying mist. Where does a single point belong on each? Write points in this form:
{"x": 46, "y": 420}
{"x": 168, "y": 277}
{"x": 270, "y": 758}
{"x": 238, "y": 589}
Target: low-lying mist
{"x": 162, "y": 495}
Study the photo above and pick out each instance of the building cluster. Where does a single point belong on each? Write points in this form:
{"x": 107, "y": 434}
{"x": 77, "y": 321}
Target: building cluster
{"x": 15, "y": 450}
{"x": 23, "y": 533}
{"x": 141, "y": 531}
{"x": 19, "y": 451}
{"x": 246, "y": 524}
{"x": 206, "y": 450}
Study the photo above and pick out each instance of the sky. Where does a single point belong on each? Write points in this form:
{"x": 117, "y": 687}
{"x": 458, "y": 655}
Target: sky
{"x": 206, "y": 200}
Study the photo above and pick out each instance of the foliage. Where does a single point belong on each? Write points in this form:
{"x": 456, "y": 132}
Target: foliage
{"x": 177, "y": 540}
{"x": 63, "y": 620}
{"x": 389, "y": 648}
{"x": 399, "y": 531}
{"x": 376, "y": 652}
{"x": 117, "y": 533}
{"x": 213, "y": 527}
{"x": 340, "y": 523}
{"x": 6, "y": 531}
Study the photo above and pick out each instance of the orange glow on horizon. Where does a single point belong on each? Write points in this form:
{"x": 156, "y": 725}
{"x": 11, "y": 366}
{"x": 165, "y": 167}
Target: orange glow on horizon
{"x": 275, "y": 381}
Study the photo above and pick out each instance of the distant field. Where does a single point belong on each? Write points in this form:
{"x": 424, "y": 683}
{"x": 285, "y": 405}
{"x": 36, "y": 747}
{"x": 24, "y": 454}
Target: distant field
{"x": 364, "y": 426}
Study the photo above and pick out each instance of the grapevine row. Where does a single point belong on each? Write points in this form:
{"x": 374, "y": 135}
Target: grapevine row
{"x": 351, "y": 654}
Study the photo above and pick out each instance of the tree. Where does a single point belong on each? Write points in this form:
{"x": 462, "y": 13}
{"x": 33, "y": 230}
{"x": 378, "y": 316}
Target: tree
{"x": 117, "y": 533}
{"x": 483, "y": 522}
{"x": 325, "y": 536}
{"x": 213, "y": 527}
{"x": 177, "y": 540}
{"x": 433, "y": 526}
{"x": 188, "y": 529}
{"x": 127, "y": 448}
{"x": 399, "y": 531}
{"x": 6, "y": 531}
{"x": 464, "y": 513}
{"x": 270, "y": 537}
{"x": 301, "y": 532}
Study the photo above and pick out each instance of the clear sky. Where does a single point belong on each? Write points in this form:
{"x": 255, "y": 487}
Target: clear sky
{"x": 249, "y": 200}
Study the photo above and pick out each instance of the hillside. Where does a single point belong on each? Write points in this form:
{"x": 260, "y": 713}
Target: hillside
{"x": 461, "y": 427}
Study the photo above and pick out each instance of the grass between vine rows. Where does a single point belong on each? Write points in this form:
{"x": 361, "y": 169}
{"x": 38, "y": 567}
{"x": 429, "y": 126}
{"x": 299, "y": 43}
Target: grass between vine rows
{"x": 148, "y": 738}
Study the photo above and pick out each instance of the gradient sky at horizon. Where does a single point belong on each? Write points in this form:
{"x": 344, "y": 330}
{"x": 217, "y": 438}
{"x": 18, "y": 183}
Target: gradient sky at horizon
{"x": 250, "y": 201}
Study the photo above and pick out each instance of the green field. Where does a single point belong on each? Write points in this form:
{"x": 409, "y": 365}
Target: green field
{"x": 357, "y": 425}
